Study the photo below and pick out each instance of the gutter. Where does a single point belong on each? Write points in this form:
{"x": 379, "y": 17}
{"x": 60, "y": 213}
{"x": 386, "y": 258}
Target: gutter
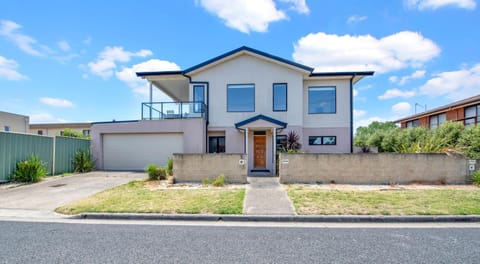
{"x": 351, "y": 113}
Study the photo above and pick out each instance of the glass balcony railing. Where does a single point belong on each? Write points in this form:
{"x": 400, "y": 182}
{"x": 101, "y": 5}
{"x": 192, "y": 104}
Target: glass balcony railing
{"x": 173, "y": 110}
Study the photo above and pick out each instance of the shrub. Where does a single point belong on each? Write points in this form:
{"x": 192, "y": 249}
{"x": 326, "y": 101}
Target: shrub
{"x": 470, "y": 141}
{"x": 219, "y": 181}
{"x": 72, "y": 133}
{"x": 476, "y": 177}
{"x": 151, "y": 171}
{"x": 206, "y": 181}
{"x": 83, "y": 161}
{"x": 170, "y": 166}
{"x": 31, "y": 170}
{"x": 293, "y": 142}
{"x": 156, "y": 173}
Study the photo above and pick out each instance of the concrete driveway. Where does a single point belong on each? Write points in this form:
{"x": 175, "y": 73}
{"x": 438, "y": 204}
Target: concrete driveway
{"x": 53, "y": 193}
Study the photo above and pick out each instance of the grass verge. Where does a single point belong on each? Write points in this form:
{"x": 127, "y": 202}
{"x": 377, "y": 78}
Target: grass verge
{"x": 310, "y": 201}
{"x": 133, "y": 197}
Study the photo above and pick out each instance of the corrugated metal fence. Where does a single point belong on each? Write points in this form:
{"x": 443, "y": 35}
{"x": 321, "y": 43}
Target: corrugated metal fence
{"x": 17, "y": 147}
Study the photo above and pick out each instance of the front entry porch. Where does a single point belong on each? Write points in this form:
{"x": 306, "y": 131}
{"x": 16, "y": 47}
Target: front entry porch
{"x": 260, "y": 133}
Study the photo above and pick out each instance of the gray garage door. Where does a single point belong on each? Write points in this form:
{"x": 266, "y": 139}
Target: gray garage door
{"x": 136, "y": 151}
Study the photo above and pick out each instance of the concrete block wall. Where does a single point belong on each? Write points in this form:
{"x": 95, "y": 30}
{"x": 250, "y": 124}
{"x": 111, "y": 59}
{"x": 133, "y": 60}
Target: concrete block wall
{"x": 196, "y": 167}
{"x": 381, "y": 168}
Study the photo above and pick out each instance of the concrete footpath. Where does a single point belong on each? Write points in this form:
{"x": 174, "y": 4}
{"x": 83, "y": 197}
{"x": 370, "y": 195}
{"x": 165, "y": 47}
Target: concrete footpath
{"x": 265, "y": 196}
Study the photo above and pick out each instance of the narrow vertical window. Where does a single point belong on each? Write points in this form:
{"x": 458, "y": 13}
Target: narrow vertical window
{"x": 279, "y": 97}
{"x": 198, "y": 98}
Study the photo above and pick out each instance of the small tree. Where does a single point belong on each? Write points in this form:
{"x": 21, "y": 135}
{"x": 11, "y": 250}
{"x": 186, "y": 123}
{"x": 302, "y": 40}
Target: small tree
{"x": 293, "y": 142}
{"x": 83, "y": 162}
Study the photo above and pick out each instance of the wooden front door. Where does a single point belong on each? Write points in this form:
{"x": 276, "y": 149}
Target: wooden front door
{"x": 260, "y": 149}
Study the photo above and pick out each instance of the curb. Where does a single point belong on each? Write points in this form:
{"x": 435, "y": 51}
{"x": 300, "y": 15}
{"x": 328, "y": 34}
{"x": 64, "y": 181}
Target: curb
{"x": 283, "y": 218}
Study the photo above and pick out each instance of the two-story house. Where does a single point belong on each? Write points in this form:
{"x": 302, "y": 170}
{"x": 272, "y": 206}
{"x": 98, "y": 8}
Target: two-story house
{"x": 244, "y": 101}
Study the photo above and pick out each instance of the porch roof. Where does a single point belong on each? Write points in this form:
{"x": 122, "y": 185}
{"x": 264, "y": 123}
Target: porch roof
{"x": 260, "y": 121}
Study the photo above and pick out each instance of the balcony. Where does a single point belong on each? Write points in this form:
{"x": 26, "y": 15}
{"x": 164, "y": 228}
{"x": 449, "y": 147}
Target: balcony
{"x": 173, "y": 110}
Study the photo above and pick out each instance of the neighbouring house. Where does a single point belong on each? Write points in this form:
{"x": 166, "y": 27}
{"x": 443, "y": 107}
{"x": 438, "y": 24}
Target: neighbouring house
{"x": 56, "y": 129}
{"x": 466, "y": 111}
{"x": 244, "y": 101}
{"x": 10, "y": 122}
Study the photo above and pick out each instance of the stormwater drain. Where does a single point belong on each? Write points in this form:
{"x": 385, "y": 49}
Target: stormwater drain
{"x": 57, "y": 185}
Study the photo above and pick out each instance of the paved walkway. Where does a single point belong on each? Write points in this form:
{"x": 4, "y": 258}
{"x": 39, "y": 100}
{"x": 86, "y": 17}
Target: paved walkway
{"x": 265, "y": 196}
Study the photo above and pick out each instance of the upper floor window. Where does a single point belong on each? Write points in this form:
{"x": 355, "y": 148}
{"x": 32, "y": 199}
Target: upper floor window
{"x": 86, "y": 132}
{"x": 6, "y": 128}
{"x": 322, "y": 100}
{"x": 198, "y": 98}
{"x": 279, "y": 97}
{"x": 413, "y": 123}
{"x": 472, "y": 115}
{"x": 40, "y": 132}
{"x": 241, "y": 98}
{"x": 437, "y": 120}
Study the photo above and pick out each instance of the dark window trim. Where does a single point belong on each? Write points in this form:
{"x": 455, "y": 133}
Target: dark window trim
{"x": 217, "y": 140}
{"x": 321, "y": 141}
{"x": 437, "y": 120}
{"x": 196, "y": 107}
{"x": 254, "y": 101}
{"x": 286, "y": 97}
{"x": 308, "y": 99}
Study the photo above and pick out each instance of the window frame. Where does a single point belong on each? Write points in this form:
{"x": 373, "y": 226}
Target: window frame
{"x": 415, "y": 123}
{"x": 475, "y": 118}
{"x": 322, "y": 87}
{"x": 313, "y": 139}
{"x": 240, "y": 84}
{"x": 281, "y": 145}
{"x": 196, "y": 107}
{"x": 273, "y": 97}
{"x": 216, "y": 144}
{"x": 436, "y": 118}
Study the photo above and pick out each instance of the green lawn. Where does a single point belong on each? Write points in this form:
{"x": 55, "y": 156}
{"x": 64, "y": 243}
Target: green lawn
{"x": 311, "y": 201}
{"x": 134, "y": 197}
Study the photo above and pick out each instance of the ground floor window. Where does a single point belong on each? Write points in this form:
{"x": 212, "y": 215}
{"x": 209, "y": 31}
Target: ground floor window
{"x": 216, "y": 145}
{"x": 281, "y": 142}
{"x": 322, "y": 140}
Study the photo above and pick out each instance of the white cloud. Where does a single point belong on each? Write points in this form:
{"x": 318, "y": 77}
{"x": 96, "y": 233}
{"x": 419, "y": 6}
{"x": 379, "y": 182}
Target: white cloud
{"x": 10, "y": 30}
{"x": 56, "y": 102}
{"x": 330, "y": 52}
{"x": 45, "y": 118}
{"x": 8, "y": 70}
{"x": 435, "y": 4}
{"x": 356, "y": 19}
{"x": 393, "y": 79}
{"x": 299, "y": 6}
{"x": 358, "y": 112}
{"x": 63, "y": 45}
{"x": 355, "y": 92}
{"x": 401, "y": 108}
{"x": 139, "y": 86}
{"x": 106, "y": 61}
{"x": 454, "y": 84}
{"x": 394, "y": 93}
{"x": 404, "y": 79}
{"x": 245, "y": 15}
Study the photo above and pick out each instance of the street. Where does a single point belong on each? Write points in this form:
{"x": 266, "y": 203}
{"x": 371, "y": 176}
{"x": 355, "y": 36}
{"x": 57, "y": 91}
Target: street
{"x": 116, "y": 242}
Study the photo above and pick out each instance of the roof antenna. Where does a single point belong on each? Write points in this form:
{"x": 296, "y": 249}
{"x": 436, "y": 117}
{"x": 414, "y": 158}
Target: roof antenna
{"x": 423, "y": 106}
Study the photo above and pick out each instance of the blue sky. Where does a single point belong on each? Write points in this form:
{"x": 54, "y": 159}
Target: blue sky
{"x": 75, "y": 61}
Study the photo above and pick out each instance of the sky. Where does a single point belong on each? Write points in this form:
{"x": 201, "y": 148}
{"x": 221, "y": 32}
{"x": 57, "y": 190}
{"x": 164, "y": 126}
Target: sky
{"x": 75, "y": 61}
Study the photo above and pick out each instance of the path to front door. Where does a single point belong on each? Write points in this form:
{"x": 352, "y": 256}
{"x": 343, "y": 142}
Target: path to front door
{"x": 265, "y": 196}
